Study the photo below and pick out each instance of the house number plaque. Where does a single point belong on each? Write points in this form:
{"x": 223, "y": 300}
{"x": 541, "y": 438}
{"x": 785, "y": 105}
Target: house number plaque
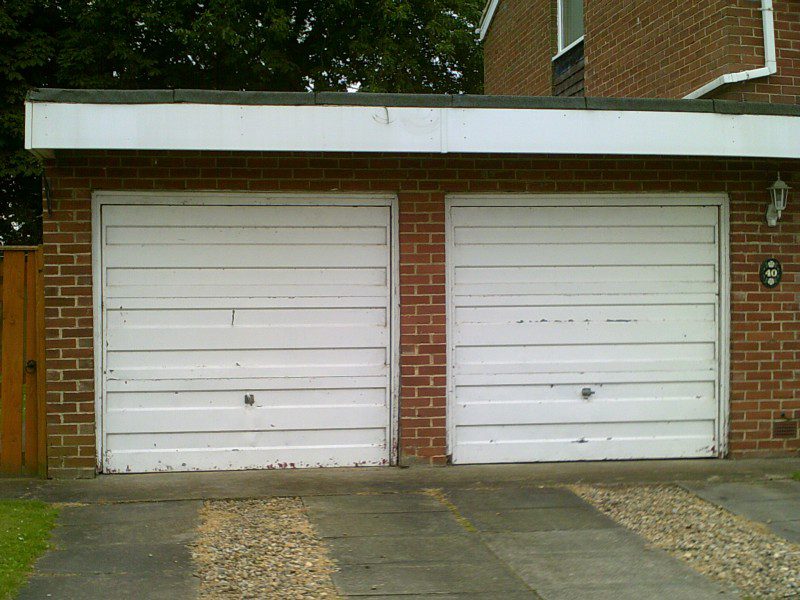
{"x": 771, "y": 272}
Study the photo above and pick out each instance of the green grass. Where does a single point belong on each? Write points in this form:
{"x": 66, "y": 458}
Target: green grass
{"x": 796, "y": 476}
{"x": 24, "y": 533}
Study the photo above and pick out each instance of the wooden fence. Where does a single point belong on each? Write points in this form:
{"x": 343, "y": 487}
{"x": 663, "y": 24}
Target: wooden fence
{"x": 23, "y": 448}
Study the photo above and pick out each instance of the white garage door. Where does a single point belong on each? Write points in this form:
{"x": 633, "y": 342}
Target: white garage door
{"x": 245, "y": 336}
{"x": 583, "y": 332}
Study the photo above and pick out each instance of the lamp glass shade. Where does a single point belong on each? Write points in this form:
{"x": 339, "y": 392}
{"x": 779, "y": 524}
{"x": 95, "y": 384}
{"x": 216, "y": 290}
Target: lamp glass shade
{"x": 779, "y": 193}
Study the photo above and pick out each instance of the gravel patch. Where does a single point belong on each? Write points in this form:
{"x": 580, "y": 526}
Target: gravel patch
{"x": 726, "y": 547}
{"x": 260, "y": 549}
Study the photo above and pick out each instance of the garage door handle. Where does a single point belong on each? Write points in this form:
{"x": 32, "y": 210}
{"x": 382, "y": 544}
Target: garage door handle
{"x": 587, "y": 393}
{"x": 249, "y": 399}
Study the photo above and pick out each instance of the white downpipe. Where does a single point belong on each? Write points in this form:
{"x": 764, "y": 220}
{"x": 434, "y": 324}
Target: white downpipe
{"x": 770, "y": 63}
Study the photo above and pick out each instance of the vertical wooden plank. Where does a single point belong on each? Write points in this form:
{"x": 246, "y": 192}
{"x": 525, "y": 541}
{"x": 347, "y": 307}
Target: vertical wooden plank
{"x": 11, "y": 362}
{"x": 41, "y": 367}
{"x": 31, "y": 413}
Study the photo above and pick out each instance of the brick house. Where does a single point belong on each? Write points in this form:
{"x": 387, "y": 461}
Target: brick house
{"x": 274, "y": 280}
{"x": 743, "y": 50}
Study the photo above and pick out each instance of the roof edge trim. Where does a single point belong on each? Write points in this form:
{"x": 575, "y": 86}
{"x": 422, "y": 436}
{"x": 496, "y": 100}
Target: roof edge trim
{"x": 717, "y": 130}
{"x": 259, "y": 98}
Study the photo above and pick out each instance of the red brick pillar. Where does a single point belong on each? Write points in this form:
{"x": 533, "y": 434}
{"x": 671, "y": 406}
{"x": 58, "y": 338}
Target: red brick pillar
{"x": 423, "y": 346}
{"x": 68, "y": 323}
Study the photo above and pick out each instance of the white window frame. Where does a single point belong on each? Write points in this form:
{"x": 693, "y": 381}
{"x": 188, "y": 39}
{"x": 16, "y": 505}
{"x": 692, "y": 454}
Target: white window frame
{"x": 559, "y": 29}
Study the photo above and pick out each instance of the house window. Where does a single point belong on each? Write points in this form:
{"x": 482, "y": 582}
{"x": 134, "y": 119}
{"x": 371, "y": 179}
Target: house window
{"x": 570, "y": 23}
{"x": 568, "y": 63}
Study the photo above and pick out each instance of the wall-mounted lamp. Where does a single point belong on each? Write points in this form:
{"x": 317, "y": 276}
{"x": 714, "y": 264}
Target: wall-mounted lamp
{"x": 779, "y": 195}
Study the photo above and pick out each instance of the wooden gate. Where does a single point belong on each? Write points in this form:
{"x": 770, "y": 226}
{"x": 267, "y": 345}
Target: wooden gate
{"x": 22, "y": 365}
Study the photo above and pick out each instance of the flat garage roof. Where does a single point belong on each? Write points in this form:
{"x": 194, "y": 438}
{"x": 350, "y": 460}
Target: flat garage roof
{"x": 58, "y": 119}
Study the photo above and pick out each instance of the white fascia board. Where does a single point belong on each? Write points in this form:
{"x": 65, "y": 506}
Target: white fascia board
{"x": 63, "y": 126}
{"x": 41, "y": 153}
{"x": 486, "y": 18}
{"x": 234, "y": 127}
{"x": 625, "y": 132}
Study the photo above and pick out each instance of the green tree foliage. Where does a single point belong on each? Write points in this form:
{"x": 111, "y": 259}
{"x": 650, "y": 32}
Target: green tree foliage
{"x": 368, "y": 45}
{"x": 28, "y": 32}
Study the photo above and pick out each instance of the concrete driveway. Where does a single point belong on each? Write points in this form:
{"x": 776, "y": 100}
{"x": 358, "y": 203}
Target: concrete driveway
{"x": 510, "y": 543}
{"x": 774, "y": 503}
{"x": 127, "y": 550}
{"x": 469, "y": 532}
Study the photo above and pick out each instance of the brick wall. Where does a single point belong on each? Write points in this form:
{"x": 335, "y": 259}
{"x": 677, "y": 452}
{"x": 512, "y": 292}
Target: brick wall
{"x": 68, "y": 329}
{"x": 518, "y": 48}
{"x": 765, "y": 330}
{"x": 645, "y": 49}
{"x": 746, "y": 35}
{"x": 423, "y": 347}
{"x": 655, "y": 49}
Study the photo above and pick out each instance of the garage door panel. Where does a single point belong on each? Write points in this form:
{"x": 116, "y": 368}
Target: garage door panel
{"x": 631, "y": 447}
{"x": 557, "y": 358}
{"x": 586, "y": 433}
{"x": 242, "y": 317}
{"x": 249, "y": 255}
{"x": 241, "y": 458}
{"x": 178, "y": 364}
{"x": 314, "y": 316}
{"x": 653, "y": 390}
{"x": 588, "y": 216}
{"x": 232, "y": 398}
{"x": 249, "y": 338}
{"x": 246, "y": 441}
{"x": 267, "y": 216}
{"x": 574, "y": 235}
{"x": 219, "y": 378}
{"x": 243, "y": 234}
{"x": 251, "y": 418}
{"x": 561, "y": 333}
{"x": 593, "y": 274}
{"x": 588, "y": 255}
{"x": 583, "y": 372}
{"x": 655, "y": 313}
{"x": 547, "y": 298}
{"x": 601, "y": 410}
{"x": 547, "y": 301}
{"x": 254, "y": 384}
{"x": 259, "y": 276}
{"x": 207, "y": 305}
{"x": 246, "y": 295}
{"x": 645, "y": 372}
{"x": 138, "y": 378}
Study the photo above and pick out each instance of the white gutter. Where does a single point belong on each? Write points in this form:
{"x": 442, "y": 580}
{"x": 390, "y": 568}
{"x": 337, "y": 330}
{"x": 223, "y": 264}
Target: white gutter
{"x": 770, "y": 59}
{"x": 486, "y": 18}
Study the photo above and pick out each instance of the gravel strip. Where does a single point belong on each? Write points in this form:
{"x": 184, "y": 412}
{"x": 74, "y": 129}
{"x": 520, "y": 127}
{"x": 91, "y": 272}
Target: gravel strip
{"x": 715, "y": 542}
{"x": 260, "y": 549}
